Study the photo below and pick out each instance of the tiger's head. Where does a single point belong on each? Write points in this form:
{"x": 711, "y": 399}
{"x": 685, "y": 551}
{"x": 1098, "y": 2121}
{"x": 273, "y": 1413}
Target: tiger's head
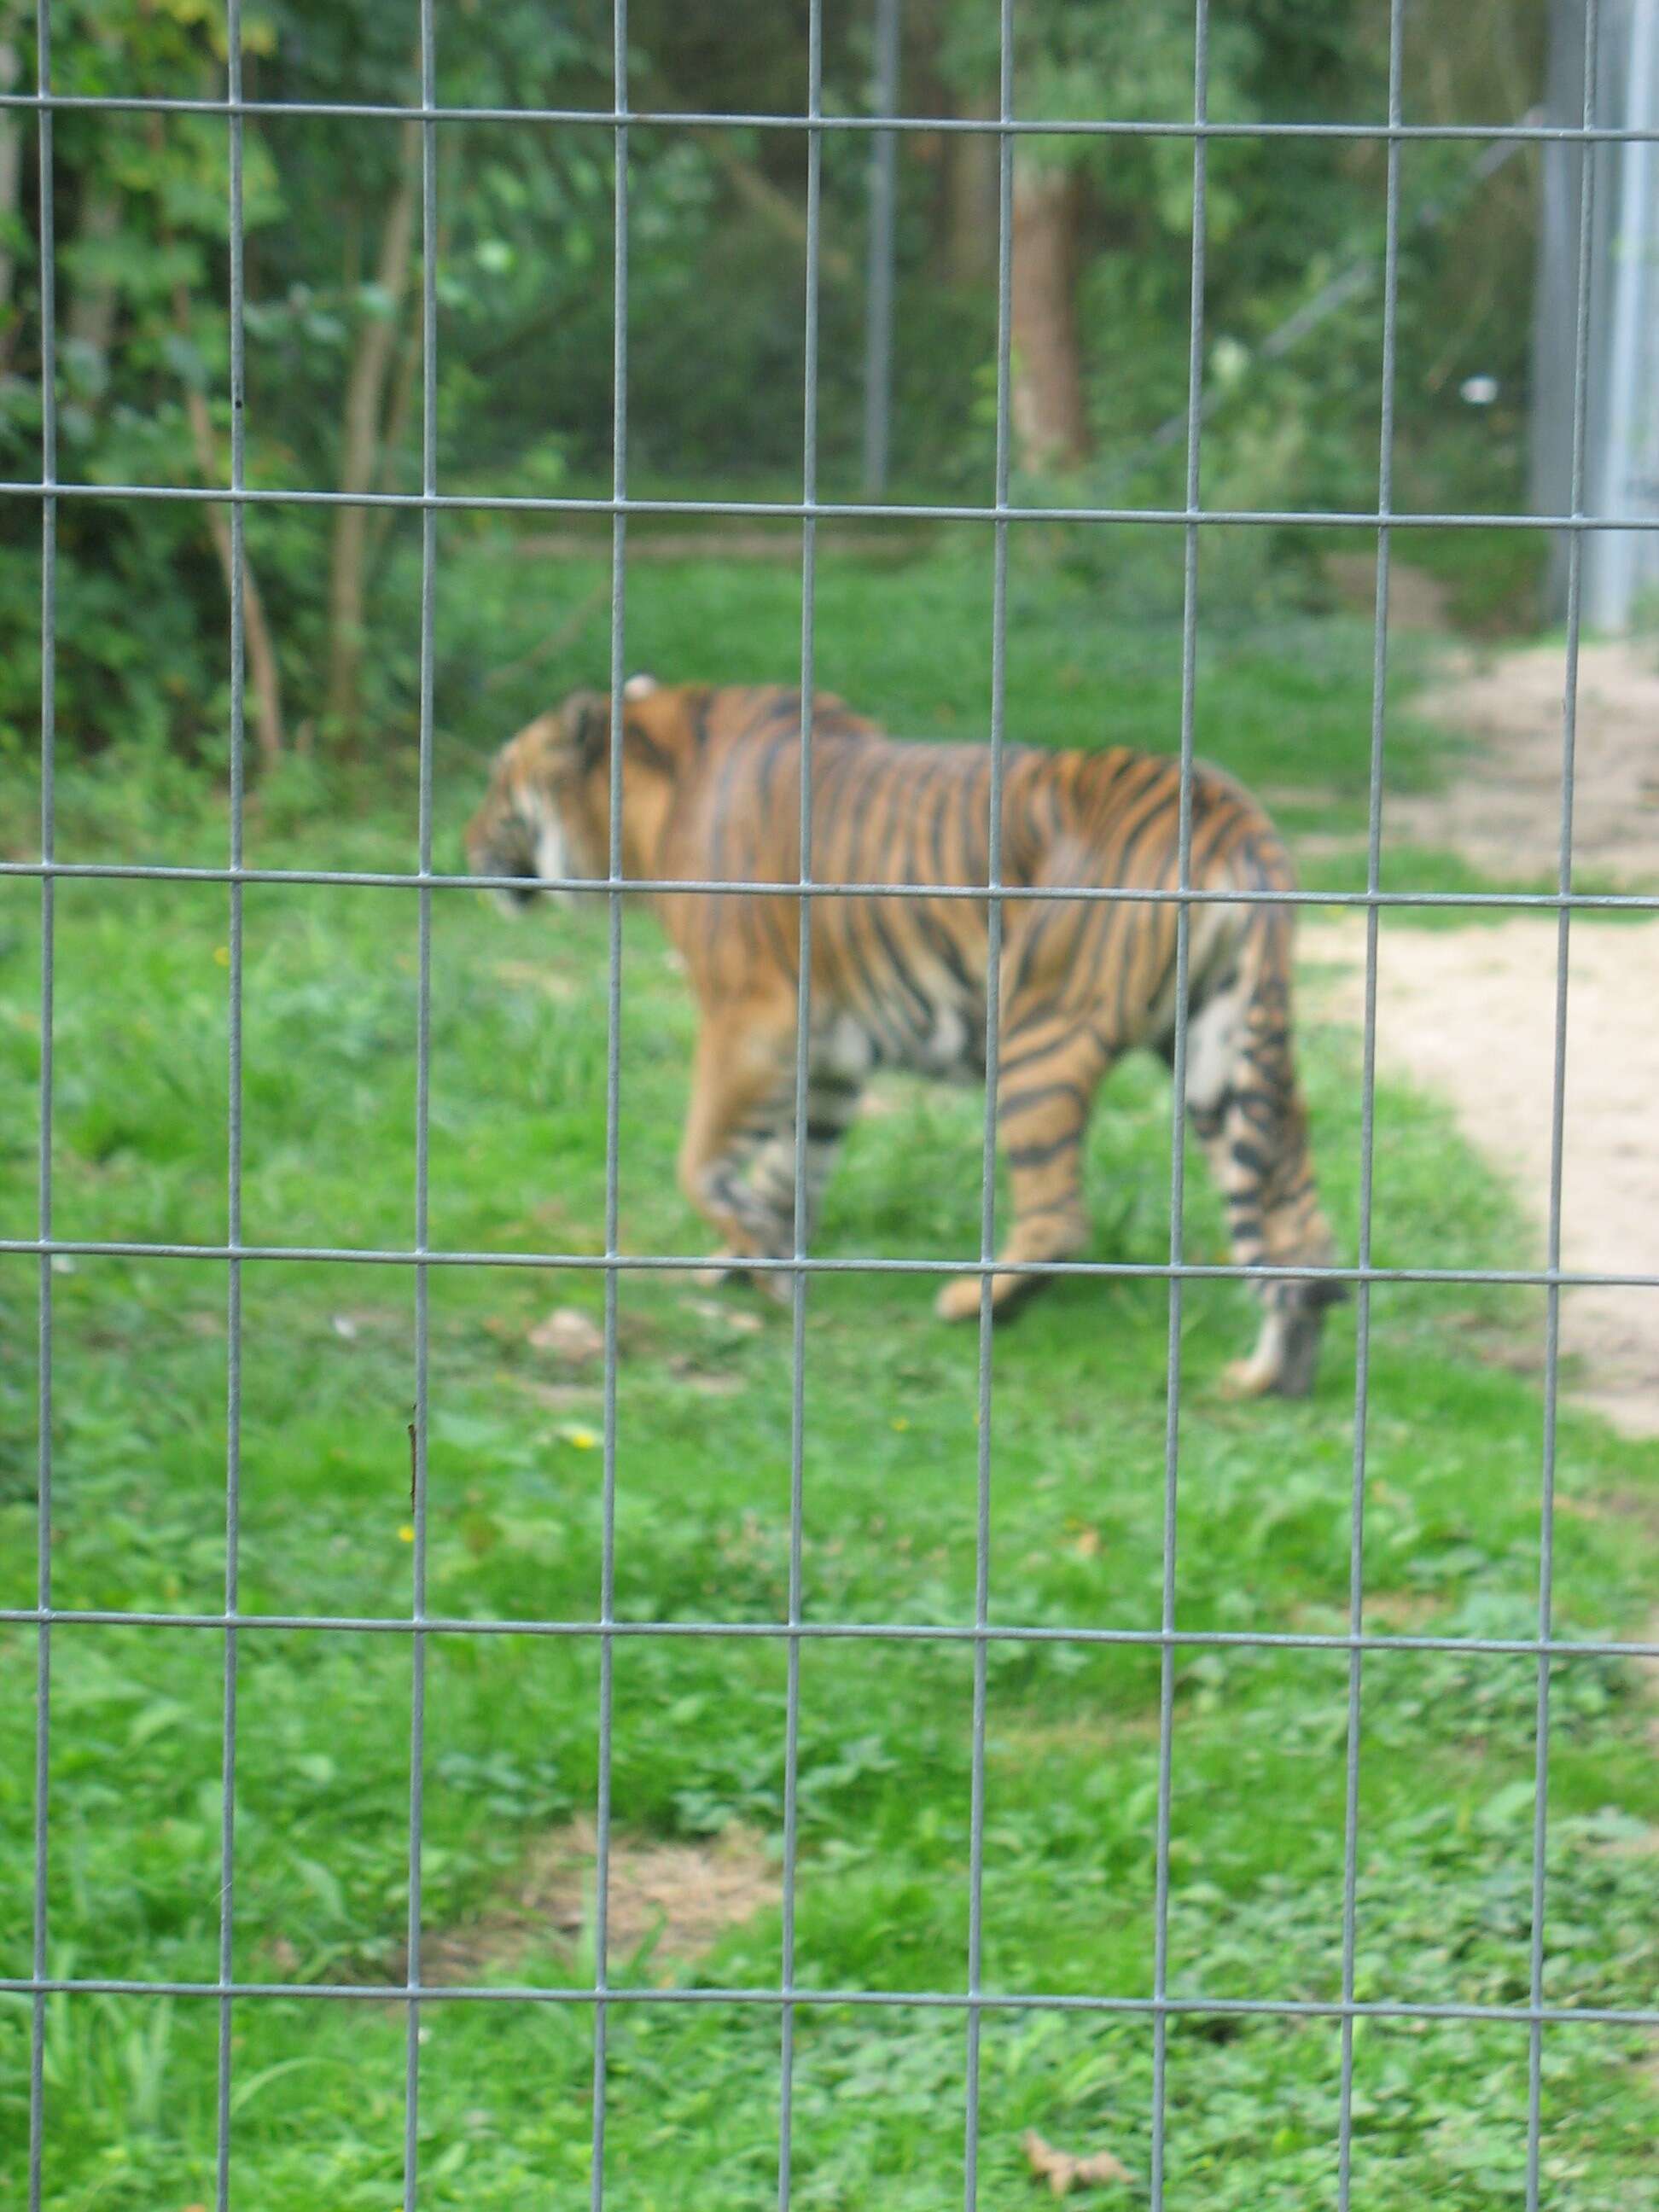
{"x": 545, "y": 816}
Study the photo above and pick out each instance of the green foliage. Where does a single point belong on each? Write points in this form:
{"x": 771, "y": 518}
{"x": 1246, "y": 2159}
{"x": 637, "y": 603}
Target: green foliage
{"x": 524, "y": 280}
{"x": 516, "y": 1531}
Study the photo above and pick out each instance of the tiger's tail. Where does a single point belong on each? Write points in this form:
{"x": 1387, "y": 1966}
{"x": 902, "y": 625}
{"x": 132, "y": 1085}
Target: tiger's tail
{"x": 1248, "y": 1110}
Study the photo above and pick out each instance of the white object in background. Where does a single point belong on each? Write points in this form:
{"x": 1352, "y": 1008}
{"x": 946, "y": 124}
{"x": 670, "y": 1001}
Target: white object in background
{"x": 1613, "y": 571}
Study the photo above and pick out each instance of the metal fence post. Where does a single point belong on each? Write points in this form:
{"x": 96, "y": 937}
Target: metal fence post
{"x": 1620, "y": 476}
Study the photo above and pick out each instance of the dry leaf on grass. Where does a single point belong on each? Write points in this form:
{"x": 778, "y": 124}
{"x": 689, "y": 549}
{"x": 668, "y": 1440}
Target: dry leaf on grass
{"x": 712, "y": 1382}
{"x": 1063, "y": 2172}
{"x": 569, "y": 1335}
{"x": 532, "y": 976}
{"x": 727, "y": 1316}
{"x": 556, "y": 1397}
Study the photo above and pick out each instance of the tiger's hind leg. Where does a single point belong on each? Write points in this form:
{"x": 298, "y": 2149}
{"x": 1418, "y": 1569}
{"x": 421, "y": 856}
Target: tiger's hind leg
{"x": 1246, "y": 1109}
{"x": 1049, "y": 1068}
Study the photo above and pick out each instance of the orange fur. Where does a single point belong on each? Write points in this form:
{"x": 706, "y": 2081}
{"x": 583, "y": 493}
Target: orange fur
{"x": 711, "y": 790}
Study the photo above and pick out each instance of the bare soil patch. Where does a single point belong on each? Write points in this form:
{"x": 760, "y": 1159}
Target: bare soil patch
{"x": 1417, "y": 600}
{"x": 684, "y": 1895}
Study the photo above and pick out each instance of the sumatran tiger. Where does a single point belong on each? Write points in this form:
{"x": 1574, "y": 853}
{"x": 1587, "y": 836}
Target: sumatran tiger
{"x": 711, "y": 792}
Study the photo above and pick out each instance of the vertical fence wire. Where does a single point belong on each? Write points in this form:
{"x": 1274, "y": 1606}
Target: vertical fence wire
{"x": 1367, "y": 1105}
{"x": 1558, "y": 1128}
{"x": 612, "y": 1099}
{"x": 603, "y": 1994}
{"x": 234, "y": 1106}
{"x": 422, "y": 1102}
{"x": 879, "y": 278}
{"x": 1178, "y": 1112}
{"x": 802, "y": 1215}
{"x": 48, "y": 313}
{"x": 993, "y": 916}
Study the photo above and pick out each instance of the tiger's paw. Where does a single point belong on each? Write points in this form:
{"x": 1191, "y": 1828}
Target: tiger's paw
{"x": 734, "y": 1267}
{"x": 959, "y": 1299}
{"x": 1287, "y": 1356}
{"x": 1247, "y": 1378}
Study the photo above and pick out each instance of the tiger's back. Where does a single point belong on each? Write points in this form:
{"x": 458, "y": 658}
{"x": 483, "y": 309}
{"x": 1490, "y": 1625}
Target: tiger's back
{"x": 905, "y": 976}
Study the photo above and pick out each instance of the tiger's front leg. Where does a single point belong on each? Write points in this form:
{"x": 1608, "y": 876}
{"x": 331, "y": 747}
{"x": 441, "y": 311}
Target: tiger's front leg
{"x": 738, "y": 1158}
{"x": 758, "y": 1190}
{"x": 1050, "y": 1070}
{"x": 738, "y": 1079}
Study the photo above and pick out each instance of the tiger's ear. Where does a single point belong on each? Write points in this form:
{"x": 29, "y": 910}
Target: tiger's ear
{"x": 588, "y": 726}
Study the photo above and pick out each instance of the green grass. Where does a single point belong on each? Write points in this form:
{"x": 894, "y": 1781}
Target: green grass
{"x": 703, "y": 1533}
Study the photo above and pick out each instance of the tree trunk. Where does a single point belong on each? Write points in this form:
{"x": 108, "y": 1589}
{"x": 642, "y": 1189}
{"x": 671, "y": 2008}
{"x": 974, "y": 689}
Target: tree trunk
{"x": 404, "y": 373}
{"x": 90, "y": 318}
{"x": 773, "y": 205}
{"x": 973, "y": 204}
{"x": 1050, "y": 429}
{"x": 398, "y": 409}
{"x": 256, "y": 631}
{"x": 361, "y": 440}
{"x": 11, "y": 147}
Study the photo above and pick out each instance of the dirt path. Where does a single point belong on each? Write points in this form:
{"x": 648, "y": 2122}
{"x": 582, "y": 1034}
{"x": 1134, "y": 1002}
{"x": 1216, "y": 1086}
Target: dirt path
{"x": 1469, "y": 1013}
{"x": 1506, "y": 818}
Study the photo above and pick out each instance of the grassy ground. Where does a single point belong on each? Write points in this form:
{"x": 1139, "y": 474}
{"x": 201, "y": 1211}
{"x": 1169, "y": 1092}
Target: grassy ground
{"x": 1451, "y": 1542}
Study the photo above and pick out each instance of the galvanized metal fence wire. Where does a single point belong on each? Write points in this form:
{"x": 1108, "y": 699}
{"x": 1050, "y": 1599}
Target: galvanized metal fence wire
{"x": 1542, "y": 1651}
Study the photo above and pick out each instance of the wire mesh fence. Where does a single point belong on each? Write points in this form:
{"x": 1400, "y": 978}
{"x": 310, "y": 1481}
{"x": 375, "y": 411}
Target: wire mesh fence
{"x": 1158, "y": 2004}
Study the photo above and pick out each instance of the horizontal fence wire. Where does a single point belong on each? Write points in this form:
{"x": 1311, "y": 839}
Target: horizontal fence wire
{"x": 867, "y": 1632}
{"x": 854, "y": 1999}
{"x": 785, "y": 510}
{"x": 1545, "y": 1650}
{"x": 1211, "y": 1271}
{"x": 667, "y": 886}
{"x": 624, "y": 119}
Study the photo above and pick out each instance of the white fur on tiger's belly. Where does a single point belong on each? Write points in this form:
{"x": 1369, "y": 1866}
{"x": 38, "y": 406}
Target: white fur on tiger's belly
{"x": 847, "y": 1049}
{"x": 948, "y": 1051}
